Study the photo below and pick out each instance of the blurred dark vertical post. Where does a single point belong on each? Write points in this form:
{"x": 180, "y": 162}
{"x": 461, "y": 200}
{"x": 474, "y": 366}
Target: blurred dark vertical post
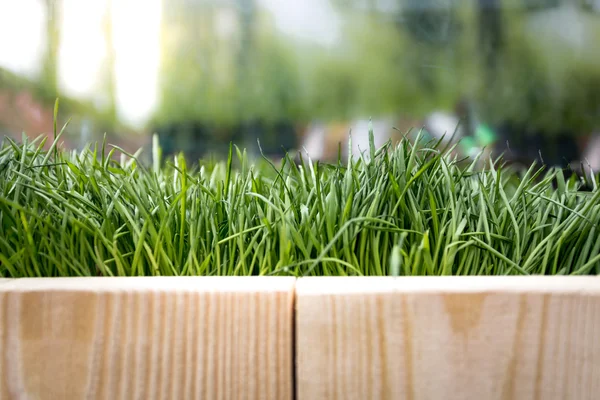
{"x": 248, "y": 127}
{"x": 431, "y": 23}
{"x": 489, "y": 16}
{"x": 491, "y": 40}
{"x": 422, "y": 23}
{"x": 110, "y": 73}
{"x": 50, "y": 63}
{"x": 490, "y": 35}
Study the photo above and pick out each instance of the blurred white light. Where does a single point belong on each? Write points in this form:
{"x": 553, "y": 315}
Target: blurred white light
{"x": 82, "y": 47}
{"x": 22, "y": 25}
{"x": 136, "y": 32}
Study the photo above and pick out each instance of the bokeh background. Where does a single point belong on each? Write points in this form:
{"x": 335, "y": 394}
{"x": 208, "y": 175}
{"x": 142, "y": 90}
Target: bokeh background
{"x": 520, "y": 77}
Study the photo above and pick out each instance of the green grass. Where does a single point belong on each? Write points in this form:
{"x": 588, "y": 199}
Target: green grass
{"x": 406, "y": 210}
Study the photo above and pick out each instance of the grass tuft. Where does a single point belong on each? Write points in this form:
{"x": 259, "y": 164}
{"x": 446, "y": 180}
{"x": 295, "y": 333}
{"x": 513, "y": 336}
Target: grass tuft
{"x": 407, "y": 209}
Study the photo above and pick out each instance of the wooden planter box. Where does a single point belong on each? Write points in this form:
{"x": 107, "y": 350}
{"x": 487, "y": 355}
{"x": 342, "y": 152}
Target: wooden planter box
{"x": 146, "y": 338}
{"x": 311, "y": 338}
{"x": 448, "y": 338}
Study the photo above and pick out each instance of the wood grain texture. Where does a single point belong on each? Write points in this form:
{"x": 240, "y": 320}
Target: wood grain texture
{"x": 146, "y": 338}
{"x": 448, "y": 338}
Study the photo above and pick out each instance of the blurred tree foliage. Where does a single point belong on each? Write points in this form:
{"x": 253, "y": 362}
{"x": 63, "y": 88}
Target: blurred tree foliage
{"x": 441, "y": 51}
{"x": 224, "y": 65}
{"x": 543, "y": 82}
{"x": 249, "y": 74}
{"x": 396, "y": 57}
{"x": 409, "y": 58}
{"x": 45, "y": 87}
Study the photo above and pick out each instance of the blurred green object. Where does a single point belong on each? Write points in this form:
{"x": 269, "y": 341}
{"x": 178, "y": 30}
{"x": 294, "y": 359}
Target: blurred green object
{"x": 468, "y": 144}
{"x": 484, "y": 135}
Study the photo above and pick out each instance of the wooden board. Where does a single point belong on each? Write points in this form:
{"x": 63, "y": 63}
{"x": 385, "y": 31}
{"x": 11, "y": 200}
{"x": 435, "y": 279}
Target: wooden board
{"x": 146, "y": 338}
{"x": 448, "y": 338}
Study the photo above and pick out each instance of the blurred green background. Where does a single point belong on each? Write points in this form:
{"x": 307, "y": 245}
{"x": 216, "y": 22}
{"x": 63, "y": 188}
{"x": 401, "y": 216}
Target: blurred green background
{"x": 302, "y": 74}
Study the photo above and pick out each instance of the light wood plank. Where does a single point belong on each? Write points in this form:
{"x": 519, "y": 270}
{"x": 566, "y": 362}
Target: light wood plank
{"x": 147, "y": 338}
{"x": 448, "y": 338}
